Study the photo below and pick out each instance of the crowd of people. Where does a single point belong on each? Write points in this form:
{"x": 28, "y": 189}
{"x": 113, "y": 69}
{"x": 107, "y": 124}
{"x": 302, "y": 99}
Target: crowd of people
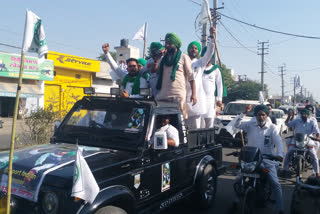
{"x": 195, "y": 83}
{"x": 192, "y": 80}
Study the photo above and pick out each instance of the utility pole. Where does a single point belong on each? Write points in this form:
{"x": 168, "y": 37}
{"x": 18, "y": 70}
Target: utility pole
{"x": 294, "y": 90}
{"x": 301, "y": 91}
{"x": 204, "y": 35}
{"x": 305, "y": 92}
{"x": 282, "y": 82}
{"x": 262, "y": 51}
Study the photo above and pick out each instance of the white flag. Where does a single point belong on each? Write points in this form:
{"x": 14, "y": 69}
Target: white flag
{"x": 142, "y": 33}
{"x": 34, "y": 37}
{"x": 261, "y": 97}
{"x": 205, "y": 14}
{"x": 84, "y": 183}
{"x": 297, "y": 83}
{"x": 230, "y": 127}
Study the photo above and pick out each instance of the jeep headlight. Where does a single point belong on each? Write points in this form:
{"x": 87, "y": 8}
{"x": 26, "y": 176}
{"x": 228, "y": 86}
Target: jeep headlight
{"x": 248, "y": 167}
{"x": 50, "y": 203}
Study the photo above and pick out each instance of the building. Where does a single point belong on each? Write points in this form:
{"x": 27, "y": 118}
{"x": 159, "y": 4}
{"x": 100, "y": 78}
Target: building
{"x": 32, "y": 90}
{"x": 102, "y": 81}
{"x": 125, "y": 51}
{"x": 71, "y": 75}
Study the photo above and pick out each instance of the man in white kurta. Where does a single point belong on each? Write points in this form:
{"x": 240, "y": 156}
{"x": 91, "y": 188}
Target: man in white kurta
{"x": 212, "y": 81}
{"x": 132, "y": 81}
{"x": 198, "y": 67}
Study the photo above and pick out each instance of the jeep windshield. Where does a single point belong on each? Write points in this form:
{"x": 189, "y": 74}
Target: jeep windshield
{"x": 237, "y": 108}
{"x": 111, "y": 123}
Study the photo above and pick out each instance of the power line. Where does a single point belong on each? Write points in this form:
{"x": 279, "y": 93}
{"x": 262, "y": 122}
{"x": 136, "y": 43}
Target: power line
{"x": 236, "y": 38}
{"x": 10, "y": 46}
{"x": 270, "y": 30}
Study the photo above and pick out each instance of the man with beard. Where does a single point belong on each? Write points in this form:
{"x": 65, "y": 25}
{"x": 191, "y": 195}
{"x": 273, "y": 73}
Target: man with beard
{"x": 198, "y": 67}
{"x": 131, "y": 82}
{"x": 304, "y": 125}
{"x": 263, "y": 134}
{"x": 174, "y": 71}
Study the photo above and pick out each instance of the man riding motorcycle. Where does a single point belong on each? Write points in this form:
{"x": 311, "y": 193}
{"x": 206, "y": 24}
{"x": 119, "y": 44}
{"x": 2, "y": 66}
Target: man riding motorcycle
{"x": 304, "y": 125}
{"x": 263, "y": 134}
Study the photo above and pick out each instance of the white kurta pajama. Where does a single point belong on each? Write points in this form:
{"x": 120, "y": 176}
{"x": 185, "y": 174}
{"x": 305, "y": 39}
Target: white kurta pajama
{"x": 211, "y": 82}
{"x": 200, "y": 108}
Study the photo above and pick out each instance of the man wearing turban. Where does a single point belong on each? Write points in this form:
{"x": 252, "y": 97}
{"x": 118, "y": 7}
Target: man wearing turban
{"x": 198, "y": 66}
{"x": 174, "y": 71}
{"x": 132, "y": 80}
{"x": 212, "y": 81}
{"x": 151, "y": 69}
{"x": 263, "y": 134}
{"x": 305, "y": 125}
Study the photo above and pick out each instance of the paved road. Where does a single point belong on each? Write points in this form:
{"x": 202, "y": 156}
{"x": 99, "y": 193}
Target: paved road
{"x": 225, "y": 193}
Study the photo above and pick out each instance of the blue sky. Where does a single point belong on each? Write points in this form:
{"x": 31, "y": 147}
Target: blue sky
{"x": 81, "y": 27}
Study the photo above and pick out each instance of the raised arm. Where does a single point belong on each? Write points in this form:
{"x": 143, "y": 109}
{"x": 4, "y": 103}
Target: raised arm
{"x": 239, "y": 124}
{"x": 114, "y": 66}
{"x": 203, "y": 61}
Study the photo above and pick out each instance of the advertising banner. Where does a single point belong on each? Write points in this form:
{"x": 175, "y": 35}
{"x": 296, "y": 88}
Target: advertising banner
{"x": 33, "y": 69}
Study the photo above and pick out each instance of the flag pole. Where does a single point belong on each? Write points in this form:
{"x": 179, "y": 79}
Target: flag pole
{"x": 215, "y": 43}
{"x": 145, "y": 40}
{"x": 13, "y": 132}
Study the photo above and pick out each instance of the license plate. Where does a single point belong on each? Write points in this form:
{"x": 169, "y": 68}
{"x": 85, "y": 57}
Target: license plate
{"x": 250, "y": 175}
{"x": 3, "y": 205}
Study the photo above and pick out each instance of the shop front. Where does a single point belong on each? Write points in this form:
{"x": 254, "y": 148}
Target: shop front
{"x": 71, "y": 75}
{"x": 32, "y": 90}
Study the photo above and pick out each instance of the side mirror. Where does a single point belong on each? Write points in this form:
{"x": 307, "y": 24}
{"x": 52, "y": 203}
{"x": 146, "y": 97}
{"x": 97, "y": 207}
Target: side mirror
{"x": 160, "y": 140}
{"x": 56, "y": 125}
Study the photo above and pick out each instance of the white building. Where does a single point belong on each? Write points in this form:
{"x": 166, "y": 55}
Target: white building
{"x": 125, "y": 51}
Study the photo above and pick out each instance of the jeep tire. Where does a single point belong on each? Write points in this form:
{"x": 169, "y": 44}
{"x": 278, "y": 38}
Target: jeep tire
{"x": 111, "y": 210}
{"x": 206, "y": 188}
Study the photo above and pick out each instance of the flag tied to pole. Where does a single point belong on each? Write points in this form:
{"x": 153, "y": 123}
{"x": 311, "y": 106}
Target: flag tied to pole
{"x": 205, "y": 14}
{"x": 261, "y": 97}
{"x": 297, "y": 83}
{"x": 142, "y": 33}
{"x": 84, "y": 183}
{"x": 34, "y": 37}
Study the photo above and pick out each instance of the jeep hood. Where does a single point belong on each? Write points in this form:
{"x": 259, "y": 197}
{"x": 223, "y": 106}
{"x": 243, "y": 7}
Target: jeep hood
{"x": 32, "y": 166}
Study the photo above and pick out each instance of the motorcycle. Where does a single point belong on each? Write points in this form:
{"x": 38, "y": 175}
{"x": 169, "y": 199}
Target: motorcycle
{"x": 253, "y": 187}
{"x": 299, "y": 156}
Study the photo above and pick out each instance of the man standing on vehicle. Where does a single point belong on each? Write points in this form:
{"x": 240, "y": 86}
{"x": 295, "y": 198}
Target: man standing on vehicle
{"x": 213, "y": 87}
{"x": 131, "y": 82}
{"x": 151, "y": 69}
{"x": 174, "y": 71}
{"x": 263, "y": 134}
{"x": 305, "y": 125}
{"x": 198, "y": 66}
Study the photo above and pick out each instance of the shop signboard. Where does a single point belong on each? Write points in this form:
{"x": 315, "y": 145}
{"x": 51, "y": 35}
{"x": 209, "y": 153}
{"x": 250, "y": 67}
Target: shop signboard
{"x": 33, "y": 69}
{"x": 63, "y": 60}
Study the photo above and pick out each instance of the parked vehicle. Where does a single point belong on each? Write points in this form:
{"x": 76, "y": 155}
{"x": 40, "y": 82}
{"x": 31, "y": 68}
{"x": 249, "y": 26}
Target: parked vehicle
{"x": 286, "y": 108}
{"x": 253, "y": 187}
{"x": 299, "y": 157}
{"x": 280, "y": 118}
{"x": 231, "y": 110}
{"x": 134, "y": 177}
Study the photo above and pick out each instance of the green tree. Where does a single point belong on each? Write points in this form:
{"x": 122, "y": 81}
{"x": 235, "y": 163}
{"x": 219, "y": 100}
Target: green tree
{"x": 102, "y": 56}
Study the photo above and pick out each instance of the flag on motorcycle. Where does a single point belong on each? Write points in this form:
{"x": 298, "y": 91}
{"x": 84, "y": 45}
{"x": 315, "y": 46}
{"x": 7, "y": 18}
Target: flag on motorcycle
{"x": 84, "y": 183}
{"x": 205, "y": 14}
{"x": 230, "y": 127}
{"x": 34, "y": 37}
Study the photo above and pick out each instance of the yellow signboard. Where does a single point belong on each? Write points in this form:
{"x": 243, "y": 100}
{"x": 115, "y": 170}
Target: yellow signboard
{"x": 74, "y": 62}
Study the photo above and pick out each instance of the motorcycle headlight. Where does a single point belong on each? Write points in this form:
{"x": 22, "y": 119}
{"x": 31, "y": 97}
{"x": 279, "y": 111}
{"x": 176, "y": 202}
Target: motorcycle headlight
{"x": 248, "y": 167}
{"x": 300, "y": 144}
{"x": 50, "y": 203}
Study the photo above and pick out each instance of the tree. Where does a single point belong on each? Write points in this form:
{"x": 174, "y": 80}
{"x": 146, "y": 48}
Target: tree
{"x": 102, "y": 56}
